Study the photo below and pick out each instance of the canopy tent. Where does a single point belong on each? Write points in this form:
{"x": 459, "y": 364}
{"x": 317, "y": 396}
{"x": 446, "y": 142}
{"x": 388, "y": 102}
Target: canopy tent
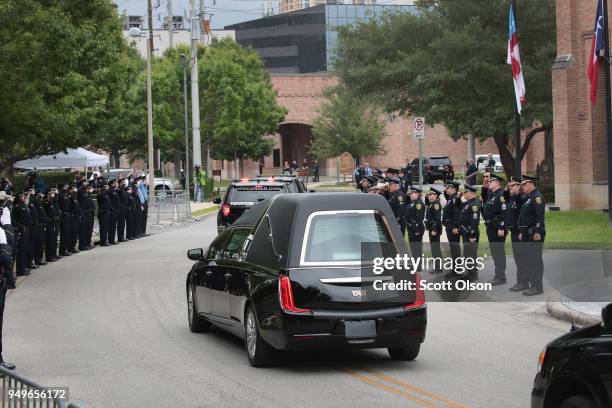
{"x": 78, "y": 157}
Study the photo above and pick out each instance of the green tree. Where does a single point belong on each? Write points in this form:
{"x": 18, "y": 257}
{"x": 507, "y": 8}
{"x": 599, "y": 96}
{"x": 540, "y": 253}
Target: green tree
{"x": 448, "y": 63}
{"x": 237, "y": 101}
{"x": 346, "y": 124}
{"x": 55, "y": 73}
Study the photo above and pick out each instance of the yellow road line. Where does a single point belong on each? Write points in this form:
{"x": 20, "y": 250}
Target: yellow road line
{"x": 392, "y": 390}
{"x": 393, "y": 380}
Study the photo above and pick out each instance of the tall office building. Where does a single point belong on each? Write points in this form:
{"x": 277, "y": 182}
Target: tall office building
{"x": 304, "y": 41}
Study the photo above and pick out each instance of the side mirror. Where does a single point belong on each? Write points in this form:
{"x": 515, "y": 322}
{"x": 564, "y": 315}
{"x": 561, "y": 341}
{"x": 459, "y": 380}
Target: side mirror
{"x": 217, "y": 200}
{"x": 195, "y": 254}
{"x": 606, "y": 317}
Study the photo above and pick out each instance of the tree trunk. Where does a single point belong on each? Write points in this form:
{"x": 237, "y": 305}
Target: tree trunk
{"x": 507, "y": 159}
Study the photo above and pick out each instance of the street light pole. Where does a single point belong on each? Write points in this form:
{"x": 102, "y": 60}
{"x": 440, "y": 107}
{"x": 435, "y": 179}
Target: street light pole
{"x": 183, "y": 62}
{"x": 150, "y": 103}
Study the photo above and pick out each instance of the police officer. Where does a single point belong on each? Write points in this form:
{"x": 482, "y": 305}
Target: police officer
{"x": 397, "y": 201}
{"x": 34, "y": 245}
{"x": 41, "y": 230}
{"x": 23, "y": 222}
{"x": 88, "y": 209}
{"x": 123, "y": 210}
{"x": 6, "y": 243}
{"x": 76, "y": 216}
{"x": 450, "y": 219}
{"x": 515, "y": 202}
{"x": 53, "y": 223}
{"x": 113, "y": 196}
{"x": 129, "y": 214}
{"x": 469, "y": 219}
{"x": 494, "y": 213}
{"x": 414, "y": 217}
{"x": 138, "y": 209}
{"x": 104, "y": 214}
{"x": 532, "y": 232}
{"x": 433, "y": 223}
{"x": 65, "y": 221}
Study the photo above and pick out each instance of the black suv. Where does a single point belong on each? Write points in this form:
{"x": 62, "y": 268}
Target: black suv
{"x": 433, "y": 168}
{"x": 241, "y": 195}
{"x": 575, "y": 370}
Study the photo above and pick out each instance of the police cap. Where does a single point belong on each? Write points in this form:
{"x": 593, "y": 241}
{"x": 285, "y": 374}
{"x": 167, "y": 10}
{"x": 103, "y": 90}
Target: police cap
{"x": 467, "y": 187}
{"x": 453, "y": 184}
{"x": 393, "y": 180}
{"x": 525, "y": 178}
{"x": 496, "y": 177}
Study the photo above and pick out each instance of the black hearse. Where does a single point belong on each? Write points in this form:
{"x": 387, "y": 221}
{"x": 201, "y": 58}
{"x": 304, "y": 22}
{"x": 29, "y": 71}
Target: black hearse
{"x": 575, "y": 370}
{"x": 288, "y": 275}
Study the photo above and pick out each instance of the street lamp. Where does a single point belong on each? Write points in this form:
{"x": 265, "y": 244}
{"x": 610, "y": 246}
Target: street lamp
{"x": 135, "y": 32}
{"x": 183, "y": 62}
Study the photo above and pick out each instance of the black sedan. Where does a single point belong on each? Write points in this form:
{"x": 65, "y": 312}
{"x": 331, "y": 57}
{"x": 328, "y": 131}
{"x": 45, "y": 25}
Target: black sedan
{"x": 289, "y": 275}
{"x": 575, "y": 370}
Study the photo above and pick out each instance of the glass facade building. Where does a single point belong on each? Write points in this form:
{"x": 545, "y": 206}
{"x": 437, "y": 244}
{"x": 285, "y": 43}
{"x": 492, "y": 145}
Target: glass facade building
{"x": 304, "y": 41}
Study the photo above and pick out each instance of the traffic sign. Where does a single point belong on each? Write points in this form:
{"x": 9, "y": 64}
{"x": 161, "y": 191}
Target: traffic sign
{"x": 419, "y": 128}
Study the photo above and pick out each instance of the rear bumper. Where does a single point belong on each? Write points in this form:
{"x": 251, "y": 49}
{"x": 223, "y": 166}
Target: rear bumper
{"x": 395, "y": 327}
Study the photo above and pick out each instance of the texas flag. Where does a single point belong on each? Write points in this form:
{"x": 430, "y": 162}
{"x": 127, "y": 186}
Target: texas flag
{"x": 597, "y": 47}
{"x": 514, "y": 59}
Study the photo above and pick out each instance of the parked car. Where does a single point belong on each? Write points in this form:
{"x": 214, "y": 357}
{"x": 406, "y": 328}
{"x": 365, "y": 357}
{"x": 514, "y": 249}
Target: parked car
{"x": 575, "y": 370}
{"x": 242, "y": 195}
{"x": 482, "y": 159}
{"x": 288, "y": 275}
{"x": 433, "y": 168}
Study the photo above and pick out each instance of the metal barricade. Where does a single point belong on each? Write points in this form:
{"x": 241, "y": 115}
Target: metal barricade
{"x": 169, "y": 206}
{"x": 18, "y": 391}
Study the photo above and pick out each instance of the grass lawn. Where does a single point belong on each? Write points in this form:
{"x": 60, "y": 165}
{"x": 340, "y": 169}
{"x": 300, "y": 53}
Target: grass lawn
{"x": 204, "y": 211}
{"x": 571, "y": 229}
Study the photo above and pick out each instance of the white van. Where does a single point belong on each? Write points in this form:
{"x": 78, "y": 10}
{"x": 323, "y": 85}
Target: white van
{"x": 481, "y": 161}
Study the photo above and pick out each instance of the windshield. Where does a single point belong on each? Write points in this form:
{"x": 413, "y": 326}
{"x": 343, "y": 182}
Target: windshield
{"x": 439, "y": 161}
{"x": 336, "y": 237}
{"x": 250, "y": 195}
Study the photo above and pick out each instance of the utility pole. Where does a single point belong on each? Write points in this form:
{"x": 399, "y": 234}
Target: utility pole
{"x": 150, "y": 103}
{"x": 207, "y": 142}
{"x": 195, "y": 92}
{"x": 170, "y": 21}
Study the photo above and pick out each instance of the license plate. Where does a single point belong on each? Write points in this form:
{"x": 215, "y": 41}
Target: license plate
{"x": 360, "y": 329}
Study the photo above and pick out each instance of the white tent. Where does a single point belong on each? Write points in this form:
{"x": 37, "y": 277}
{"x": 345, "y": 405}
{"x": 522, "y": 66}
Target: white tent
{"x": 78, "y": 157}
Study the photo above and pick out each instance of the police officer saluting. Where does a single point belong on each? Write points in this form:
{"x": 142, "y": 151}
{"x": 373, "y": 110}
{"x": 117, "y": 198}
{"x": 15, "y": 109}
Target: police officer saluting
{"x": 469, "y": 219}
{"x": 113, "y": 196}
{"x": 433, "y": 223}
{"x": 65, "y": 224}
{"x": 532, "y": 232}
{"x": 450, "y": 219}
{"x": 414, "y": 217}
{"x": 397, "y": 200}
{"x": 494, "y": 213}
{"x": 89, "y": 211}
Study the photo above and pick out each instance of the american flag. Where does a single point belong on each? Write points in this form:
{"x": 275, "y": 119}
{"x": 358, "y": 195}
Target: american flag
{"x": 514, "y": 59}
{"x": 597, "y": 47}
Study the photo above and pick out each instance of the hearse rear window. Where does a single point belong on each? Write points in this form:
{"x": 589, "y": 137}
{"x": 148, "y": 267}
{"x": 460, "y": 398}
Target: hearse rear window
{"x": 253, "y": 194}
{"x": 335, "y": 237}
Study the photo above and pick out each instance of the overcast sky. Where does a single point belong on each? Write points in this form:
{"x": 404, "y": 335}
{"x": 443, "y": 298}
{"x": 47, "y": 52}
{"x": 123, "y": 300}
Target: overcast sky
{"x": 225, "y": 11}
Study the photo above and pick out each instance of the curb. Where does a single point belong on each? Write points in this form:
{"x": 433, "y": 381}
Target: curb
{"x": 558, "y": 310}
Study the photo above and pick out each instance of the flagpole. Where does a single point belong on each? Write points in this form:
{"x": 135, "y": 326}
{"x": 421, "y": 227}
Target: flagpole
{"x": 517, "y": 122}
{"x": 608, "y": 95}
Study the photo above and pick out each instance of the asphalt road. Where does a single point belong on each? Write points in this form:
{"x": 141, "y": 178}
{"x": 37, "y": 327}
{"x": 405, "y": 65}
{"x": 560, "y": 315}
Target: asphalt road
{"x": 111, "y": 324}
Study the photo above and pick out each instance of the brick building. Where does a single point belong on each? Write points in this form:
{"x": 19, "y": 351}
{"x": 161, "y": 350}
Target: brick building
{"x": 580, "y": 145}
{"x": 301, "y": 95}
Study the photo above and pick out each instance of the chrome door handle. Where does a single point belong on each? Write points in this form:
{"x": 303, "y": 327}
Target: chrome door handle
{"x": 228, "y": 275}
{"x": 208, "y": 273}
